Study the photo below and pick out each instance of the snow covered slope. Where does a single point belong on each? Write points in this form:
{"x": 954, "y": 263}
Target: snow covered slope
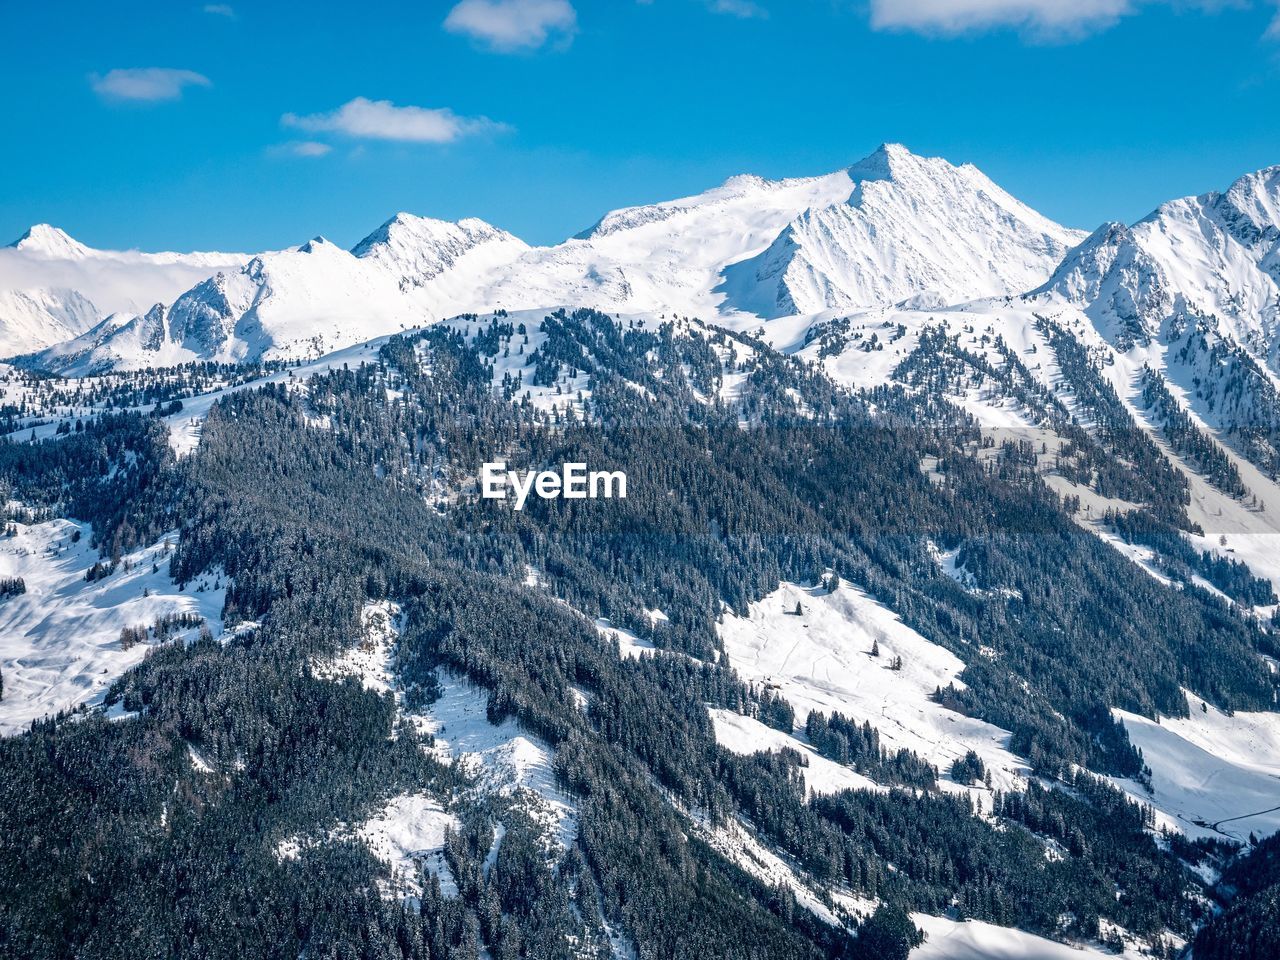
{"x": 52, "y": 287}
{"x": 666, "y": 257}
{"x": 821, "y": 660}
{"x": 975, "y": 940}
{"x": 60, "y": 640}
{"x": 1213, "y": 773}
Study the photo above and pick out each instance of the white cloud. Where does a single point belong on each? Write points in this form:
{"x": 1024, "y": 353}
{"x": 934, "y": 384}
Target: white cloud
{"x": 1047, "y": 18}
{"x": 739, "y": 8}
{"x": 367, "y": 119}
{"x": 510, "y": 25}
{"x": 146, "y": 83}
{"x": 220, "y": 10}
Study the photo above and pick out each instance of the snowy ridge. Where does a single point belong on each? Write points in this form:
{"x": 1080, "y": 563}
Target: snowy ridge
{"x": 419, "y": 249}
{"x": 1214, "y": 255}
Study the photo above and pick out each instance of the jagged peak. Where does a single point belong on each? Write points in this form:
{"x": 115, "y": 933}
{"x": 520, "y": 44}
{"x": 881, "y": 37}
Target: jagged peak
{"x": 316, "y": 244}
{"x": 412, "y": 228}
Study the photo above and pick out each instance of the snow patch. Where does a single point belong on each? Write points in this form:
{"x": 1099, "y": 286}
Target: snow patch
{"x": 746, "y": 735}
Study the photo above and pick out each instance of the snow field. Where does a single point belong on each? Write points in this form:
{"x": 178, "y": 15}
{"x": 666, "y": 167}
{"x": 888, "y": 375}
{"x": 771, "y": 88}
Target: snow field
{"x": 821, "y": 661}
{"x": 60, "y": 641}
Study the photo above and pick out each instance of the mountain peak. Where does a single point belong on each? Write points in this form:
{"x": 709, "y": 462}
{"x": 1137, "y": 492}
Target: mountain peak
{"x": 315, "y": 244}
{"x": 883, "y": 163}
{"x": 1257, "y": 196}
{"x": 408, "y": 230}
{"x": 419, "y": 249}
{"x": 49, "y": 241}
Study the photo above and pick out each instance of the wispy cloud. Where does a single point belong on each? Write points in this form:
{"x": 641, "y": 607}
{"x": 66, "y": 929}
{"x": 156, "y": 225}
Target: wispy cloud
{"x": 746, "y": 9}
{"x": 511, "y": 25}
{"x": 147, "y": 84}
{"x": 300, "y": 148}
{"x": 366, "y": 119}
{"x": 1047, "y": 19}
{"x": 220, "y": 10}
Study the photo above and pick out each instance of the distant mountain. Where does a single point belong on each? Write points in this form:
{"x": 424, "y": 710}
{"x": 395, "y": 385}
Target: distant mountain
{"x": 53, "y": 287}
{"x": 40, "y": 317}
{"x": 302, "y": 301}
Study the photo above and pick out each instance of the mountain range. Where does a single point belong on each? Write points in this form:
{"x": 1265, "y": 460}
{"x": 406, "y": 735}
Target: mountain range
{"x": 1191, "y": 291}
{"x": 893, "y": 227}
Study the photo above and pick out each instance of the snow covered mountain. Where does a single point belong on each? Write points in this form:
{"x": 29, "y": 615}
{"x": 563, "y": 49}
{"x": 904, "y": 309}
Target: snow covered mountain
{"x": 302, "y": 302}
{"x": 1193, "y": 290}
{"x": 1215, "y": 255}
{"x": 912, "y": 227}
{"x": 53, "y": 288}
{"x": 669, "y": 256}
{"x": 893, "y": 226}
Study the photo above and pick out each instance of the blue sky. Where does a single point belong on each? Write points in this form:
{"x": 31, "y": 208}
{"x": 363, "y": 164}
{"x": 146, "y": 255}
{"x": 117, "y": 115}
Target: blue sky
{"x": 256, "y": 125}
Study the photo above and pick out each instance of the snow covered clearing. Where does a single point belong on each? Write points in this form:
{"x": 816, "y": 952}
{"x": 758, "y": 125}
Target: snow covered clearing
{"x": 629, "y": 645}
{"x": 60, "y": 641}
{"x": 977, "y": 940}
{"x": 1212, "y": 774}
{"x": 821, "y": 660}
{"x": 408, "y": 835}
